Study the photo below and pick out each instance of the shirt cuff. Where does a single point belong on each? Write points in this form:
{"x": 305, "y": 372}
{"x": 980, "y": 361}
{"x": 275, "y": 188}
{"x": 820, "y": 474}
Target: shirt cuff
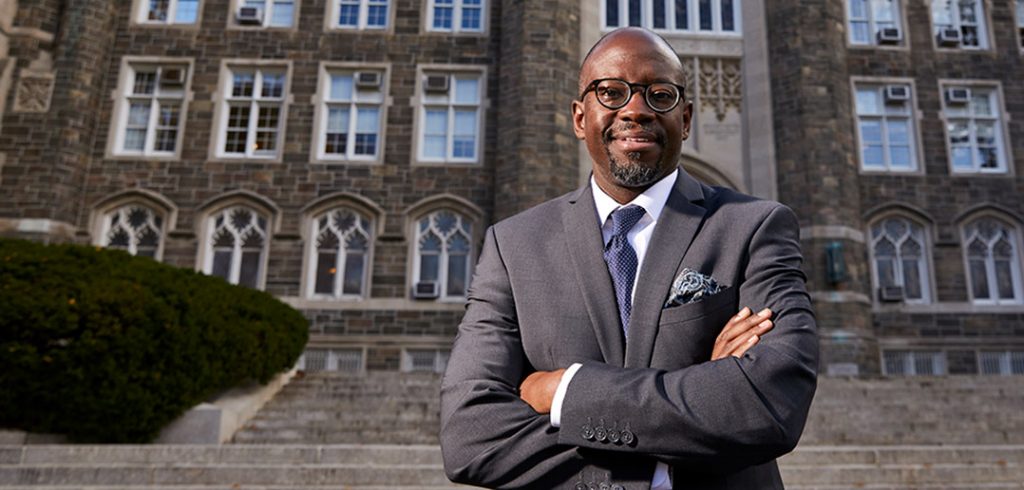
{"x": 563, "y": 386}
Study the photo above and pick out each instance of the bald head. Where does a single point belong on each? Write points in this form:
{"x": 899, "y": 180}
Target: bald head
{"x": 629, "y": 39}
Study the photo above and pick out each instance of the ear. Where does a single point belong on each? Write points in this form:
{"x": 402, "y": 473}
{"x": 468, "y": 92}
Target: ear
{"x": 578, "y": 121}
{"x": 687, "y": 119}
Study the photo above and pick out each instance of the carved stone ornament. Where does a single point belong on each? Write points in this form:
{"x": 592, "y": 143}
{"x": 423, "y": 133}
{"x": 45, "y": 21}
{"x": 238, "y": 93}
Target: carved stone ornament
{"x": 34, "y": 92}
{"x": 721, "y": 85}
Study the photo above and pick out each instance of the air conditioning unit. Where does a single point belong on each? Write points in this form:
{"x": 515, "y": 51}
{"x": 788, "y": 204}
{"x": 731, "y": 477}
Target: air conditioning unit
{"x": 426, "y": 290}
{"x": 890, "y": 294}
{"x": 172, "y": 77}
{"x": 249, "y": 16}
{"x": 949, "y": 36}
{"x": 436, "y": 84}
{"x": 889, "y": 35}
{"x": 897, "y": 93}
{"x": 958, "y": 95}
{"x": 368, "y": 79}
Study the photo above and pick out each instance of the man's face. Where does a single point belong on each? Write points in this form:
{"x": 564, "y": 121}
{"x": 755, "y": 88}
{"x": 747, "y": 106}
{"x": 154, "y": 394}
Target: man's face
{"x": 633, "y": 146}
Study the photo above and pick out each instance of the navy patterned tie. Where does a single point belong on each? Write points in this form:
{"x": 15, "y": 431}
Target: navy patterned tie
{"x": 621, "y": 259}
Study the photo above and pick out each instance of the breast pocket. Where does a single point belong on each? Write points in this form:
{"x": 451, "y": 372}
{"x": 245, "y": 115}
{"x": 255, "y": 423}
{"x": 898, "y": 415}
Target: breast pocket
{"x": 686, "y": 333}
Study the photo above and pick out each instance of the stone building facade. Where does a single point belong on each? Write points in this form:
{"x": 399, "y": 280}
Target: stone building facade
{"x": 347, "y": 155}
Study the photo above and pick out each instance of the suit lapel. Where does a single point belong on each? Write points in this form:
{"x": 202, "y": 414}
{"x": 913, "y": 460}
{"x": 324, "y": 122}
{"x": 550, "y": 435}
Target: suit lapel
{"x": 586, "y": 249}
{"x": 676, "y": 227}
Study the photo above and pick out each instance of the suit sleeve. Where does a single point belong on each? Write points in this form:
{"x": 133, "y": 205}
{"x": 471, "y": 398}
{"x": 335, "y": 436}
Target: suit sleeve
{"x": 720, "y": 415}
{"x": 489, "y": 436}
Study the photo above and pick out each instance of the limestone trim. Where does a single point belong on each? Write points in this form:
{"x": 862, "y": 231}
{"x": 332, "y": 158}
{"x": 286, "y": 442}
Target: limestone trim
{"x": 903, "y": 45}
{"x": 372, "y": 304}
{"x": 1013, "y": 223}
{"x": 362, "y": 206}
{"x": 232, "y": 24}
{"x": 34, "y": 91}
{"x": 424, "y": 207}
{"x": 951, "y": 343}
{"x": 916, "y": 116}
{"x": 119, "y": 112}
{"x": 418, "y": 103}
{"x": 989, "y": 208}
{"x": 1004, "y": 127}
{"x": 837, "y": 232}
{"x": 332, "y": 11}
{"x": 840, "y": 297}
{"x": 139, "y": 11}
{"x": 948, "y": 307}
{"x": 320, "y": 100}
{"x": 204, "y": 228}
{"x": 927, "y": 226}
{"x": 42, "y": 226}
{"x": 988, "y": 27}
{"x": 427, "y": 28}
{"x": 220, "y": 101}
{"x": 29, "y": 32}
{"x": 166, "y": 209}
{"x": 241, "y": 197}
{"x": 706, "y": 172}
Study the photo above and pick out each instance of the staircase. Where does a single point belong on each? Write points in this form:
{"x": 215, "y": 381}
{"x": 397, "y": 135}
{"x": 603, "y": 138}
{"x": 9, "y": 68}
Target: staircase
{"x": 379, "y": 431}
{"x": 334, "y": 408}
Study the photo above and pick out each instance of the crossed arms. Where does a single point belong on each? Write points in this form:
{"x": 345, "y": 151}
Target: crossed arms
{"x": 717, "y": 416}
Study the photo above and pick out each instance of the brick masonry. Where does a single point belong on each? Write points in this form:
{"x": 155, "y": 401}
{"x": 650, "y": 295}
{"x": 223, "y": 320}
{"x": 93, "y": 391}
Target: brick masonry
{"x": 55, "y": 164}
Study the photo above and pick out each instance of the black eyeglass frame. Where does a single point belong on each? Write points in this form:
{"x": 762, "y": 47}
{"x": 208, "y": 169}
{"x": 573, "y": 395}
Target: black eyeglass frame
{"x": 592, "y": 86}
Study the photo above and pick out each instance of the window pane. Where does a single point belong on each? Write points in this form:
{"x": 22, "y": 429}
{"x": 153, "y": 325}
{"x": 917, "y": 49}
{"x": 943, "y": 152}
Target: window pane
{"x": 273, "y": 85}
{"x": 377, "y": 15}
{"x": 911, "y": 279}
{"x": 367, "y": 120}
{"x": 979, "y": 279}
{"x": 1004, "y": 279}
{"x": 884, "y": 10}
{"x": 704, "y": 13}
{"x": 341, "y": 87}
{"x": 145, "y": 82}
{"x": 611, "y": 13}
{"x": 728, "y": 19}
{"x": 659, "y": 14}
{"x": 354, "y": 264}
{"x": 249, "y": 274}
{"x": 634, "y": 13}
{"x": 682, "y": 15}
{"x": 242, "y": 84}
{"x": 348, "y": 15}
{"x": 325, "y": 271}
{"x": 868, "y": 101}
{"x": 858, "y": 9}
{"x": 467, "y": 90}
{"x": 188, "y": 12}
{"x": 471, "y": 19}
{"x": 886, "y": 272}
{"x": 443, "y": 18}
{"x": 924, "y": 363}
{"x": 138, "y": 114}
{"x": 283, "y": 11}
{"x": 428, "y": 267}
{"x": 222, "y": 264}
{"x": 457, "y": 275}
{"x": 874, "y": 157}
{"x": 899, "y": 133}
{"x": 899, "y": 157}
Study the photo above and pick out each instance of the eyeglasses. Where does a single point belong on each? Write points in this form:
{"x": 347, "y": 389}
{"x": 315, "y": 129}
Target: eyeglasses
{"x": 614, "y": 93}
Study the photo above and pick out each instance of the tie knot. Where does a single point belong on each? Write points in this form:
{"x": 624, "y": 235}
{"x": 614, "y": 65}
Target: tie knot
{"x": 625, "y": 218}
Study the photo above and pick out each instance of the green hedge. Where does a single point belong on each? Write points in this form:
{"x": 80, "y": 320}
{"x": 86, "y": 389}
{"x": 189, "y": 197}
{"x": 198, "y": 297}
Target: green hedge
{"x": 106, "y": 347}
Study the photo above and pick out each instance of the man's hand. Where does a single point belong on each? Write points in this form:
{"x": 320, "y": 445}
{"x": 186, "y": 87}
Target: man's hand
{"x": 741, "y": 333}
{"x": 538, "y": 389}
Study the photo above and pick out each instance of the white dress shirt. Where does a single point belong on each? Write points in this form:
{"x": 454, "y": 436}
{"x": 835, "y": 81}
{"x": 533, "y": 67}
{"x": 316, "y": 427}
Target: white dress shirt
{"x": 653, "y": 201}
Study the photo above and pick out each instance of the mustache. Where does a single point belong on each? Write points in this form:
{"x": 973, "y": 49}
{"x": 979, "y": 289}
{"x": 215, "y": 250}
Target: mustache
{"x": 610, "y": 133}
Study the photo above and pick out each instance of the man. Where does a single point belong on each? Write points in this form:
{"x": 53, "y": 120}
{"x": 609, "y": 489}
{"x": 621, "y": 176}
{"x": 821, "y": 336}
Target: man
{"x": 592, "y": 354}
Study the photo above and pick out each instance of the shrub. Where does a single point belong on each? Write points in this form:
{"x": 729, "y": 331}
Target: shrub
{"x": 106, "y": 347}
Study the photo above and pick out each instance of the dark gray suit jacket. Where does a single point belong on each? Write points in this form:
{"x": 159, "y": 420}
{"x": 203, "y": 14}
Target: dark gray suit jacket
{"x": 542, "y": 299}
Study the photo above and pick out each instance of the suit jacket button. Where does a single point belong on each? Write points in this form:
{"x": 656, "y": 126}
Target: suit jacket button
{"x": 601, "y": 434}
{"x": 605, "y": 486}
{"x": 580, "y": 486}
{"x": 613, "y": 435}
{"x": 587, "y": 433}
{"x": 618, "y": 487}
{"x": 628, "y": 437}
{"x": 592, "y": 486}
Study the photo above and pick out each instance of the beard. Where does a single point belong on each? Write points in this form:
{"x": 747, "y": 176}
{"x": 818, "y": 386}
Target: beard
{"x": 633, "y": 172}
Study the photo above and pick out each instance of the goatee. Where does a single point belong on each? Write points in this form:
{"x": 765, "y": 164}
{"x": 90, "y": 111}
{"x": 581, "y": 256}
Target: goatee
{"x": 633, "y": 173}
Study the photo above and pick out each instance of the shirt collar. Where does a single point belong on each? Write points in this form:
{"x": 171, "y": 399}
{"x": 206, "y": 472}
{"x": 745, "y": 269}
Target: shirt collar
{"x": 652, "y": 200}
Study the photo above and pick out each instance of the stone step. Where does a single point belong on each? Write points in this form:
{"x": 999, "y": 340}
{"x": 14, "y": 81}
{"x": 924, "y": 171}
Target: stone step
{"x": 903, "y": 455}
{"x": 235, "y": 486}
{"x": 204, "y": 474}
{"x": 356, "y": 454}
{"x": 857, "y": 475}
